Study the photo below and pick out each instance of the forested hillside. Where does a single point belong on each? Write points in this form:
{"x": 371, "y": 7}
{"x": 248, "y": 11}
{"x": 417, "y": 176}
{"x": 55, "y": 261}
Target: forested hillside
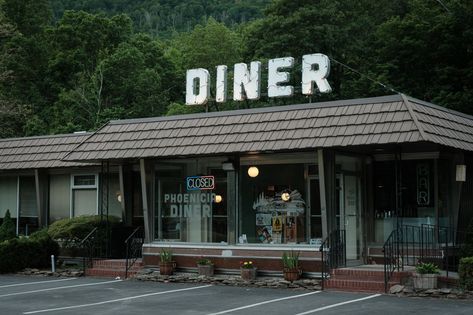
{"x": 164, "y": 17}
{"x": 68, "y": 70}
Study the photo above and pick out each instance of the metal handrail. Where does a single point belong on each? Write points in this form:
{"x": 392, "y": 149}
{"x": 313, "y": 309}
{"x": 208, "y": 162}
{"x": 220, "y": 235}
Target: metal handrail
{"x": 133, "y": 245}
{"x": 391, "y": 254}
{"x": 87, "y": 244}
{"x": 334, "y": 247}
{"x": 409, "y": 244}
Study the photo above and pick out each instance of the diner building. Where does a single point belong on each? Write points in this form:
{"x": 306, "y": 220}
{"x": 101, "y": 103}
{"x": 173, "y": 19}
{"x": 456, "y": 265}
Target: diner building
{"x": 253, "y": 183}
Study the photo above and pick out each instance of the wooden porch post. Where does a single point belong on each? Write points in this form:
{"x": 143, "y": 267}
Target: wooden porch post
{"x": 146, "y": 174}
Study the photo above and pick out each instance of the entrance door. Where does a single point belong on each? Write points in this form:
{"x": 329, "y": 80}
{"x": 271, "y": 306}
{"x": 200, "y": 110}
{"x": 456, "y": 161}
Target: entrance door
{"x": 351, "y": 213}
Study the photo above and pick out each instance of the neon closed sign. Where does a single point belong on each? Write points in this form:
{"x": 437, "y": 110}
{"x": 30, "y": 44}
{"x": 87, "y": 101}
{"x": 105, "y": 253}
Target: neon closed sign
{"x": 200, "y": 183}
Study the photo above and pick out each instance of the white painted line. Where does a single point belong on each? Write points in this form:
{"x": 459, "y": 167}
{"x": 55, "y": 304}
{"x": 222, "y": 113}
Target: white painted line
{"x": 116, "y": 300}
{"x": 37, "y": 282}
{"x": 265, "y": 302}
{"x": 338, "y": 304}
{"x": 59, "y": 288}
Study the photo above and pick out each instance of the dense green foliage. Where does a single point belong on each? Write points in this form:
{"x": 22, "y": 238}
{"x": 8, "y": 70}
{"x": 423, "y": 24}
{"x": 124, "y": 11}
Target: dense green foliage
{"x": 164, "y": 17}
{"x": 77, "y": 228}
{"x": 73, "y": 65}
{"x": 465, "y": 271}
{"x": 27, "y": 252}
{"x": 7, "y": 229}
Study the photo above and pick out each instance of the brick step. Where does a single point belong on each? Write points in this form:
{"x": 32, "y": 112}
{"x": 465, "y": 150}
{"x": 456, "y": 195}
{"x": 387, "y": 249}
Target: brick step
{"x": 366, "y": 278}
{"x": 108, "y": 273}
{"x": 357, "y": 285}
{"x": 362, "y": 274}
{"x": 114, "y": 263}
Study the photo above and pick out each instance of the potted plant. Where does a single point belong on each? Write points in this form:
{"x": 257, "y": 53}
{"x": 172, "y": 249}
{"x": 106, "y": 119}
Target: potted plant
{"x": 291, "y": 268}
{"x": 247, "y": 270}
{"x": 166, "y": 264}
{"x": 426, "y": 276}
{"x": 205, "y": 267}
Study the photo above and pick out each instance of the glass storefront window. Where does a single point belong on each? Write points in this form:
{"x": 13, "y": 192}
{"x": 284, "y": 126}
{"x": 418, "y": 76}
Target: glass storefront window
{"x": 191, "y": 201}
{"x": 416, "y": 191}
{"x": 274, "y": 205}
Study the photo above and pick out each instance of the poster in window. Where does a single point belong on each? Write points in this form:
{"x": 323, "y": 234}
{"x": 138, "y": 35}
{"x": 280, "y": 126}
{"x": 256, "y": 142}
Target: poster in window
{"x": 277, "y": 224}
{"x": 263, "y": 219}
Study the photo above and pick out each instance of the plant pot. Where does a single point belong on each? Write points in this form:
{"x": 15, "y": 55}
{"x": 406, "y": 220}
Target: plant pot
{"x": 292, "y": 274}
{"x": 206, "y": 270}
{"x": 248, "y": 274}
{"x": 166, "y": 268}
{"x": 425, "y": 281}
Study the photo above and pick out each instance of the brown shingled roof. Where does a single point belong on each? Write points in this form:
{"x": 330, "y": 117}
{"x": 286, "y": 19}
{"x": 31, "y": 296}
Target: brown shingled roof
{"x": 378, "y": 120}
{"x": 38, "y": 152}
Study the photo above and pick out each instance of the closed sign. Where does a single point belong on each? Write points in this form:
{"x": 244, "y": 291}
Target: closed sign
{"x": 200, "y": 182}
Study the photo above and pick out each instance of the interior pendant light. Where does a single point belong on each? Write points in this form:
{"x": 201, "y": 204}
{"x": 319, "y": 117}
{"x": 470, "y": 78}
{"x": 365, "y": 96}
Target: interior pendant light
{"x": 253, "y": 171}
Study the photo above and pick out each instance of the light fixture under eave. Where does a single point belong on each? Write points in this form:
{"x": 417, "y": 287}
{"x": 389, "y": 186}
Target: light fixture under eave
{"x": 253, "y": 171}
{"x": 285, "y": 196}
{"x": 218, "y": 198}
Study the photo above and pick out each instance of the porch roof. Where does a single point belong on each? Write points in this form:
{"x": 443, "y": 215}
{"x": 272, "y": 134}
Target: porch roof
{"x": 39, "y": 152}
{"x": 368, "y": 121}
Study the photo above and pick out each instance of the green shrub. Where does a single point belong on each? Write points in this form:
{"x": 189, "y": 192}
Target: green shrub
{"x": 69, "y": 232}
{"x": 465, "y": 271}
{"x": 466, "y": 250}
{"x": 27, "y": 252}
{"x": 7, "y": 229}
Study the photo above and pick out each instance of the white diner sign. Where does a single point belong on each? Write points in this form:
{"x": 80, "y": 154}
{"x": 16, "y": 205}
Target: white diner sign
{"x": 247, "y": 82}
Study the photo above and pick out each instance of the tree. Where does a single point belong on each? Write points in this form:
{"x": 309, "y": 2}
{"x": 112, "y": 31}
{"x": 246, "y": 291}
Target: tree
{"x": 342, "y": 30}
{"x": 15, "y": 84}
{"x": 7, "y": 229}
{"x": 80, "y": 40}
{"x": 207, "y": 46}
{"x": 428, "y": 53}
{"x": 29, "y": 17}
{"x": 135, "y": 80}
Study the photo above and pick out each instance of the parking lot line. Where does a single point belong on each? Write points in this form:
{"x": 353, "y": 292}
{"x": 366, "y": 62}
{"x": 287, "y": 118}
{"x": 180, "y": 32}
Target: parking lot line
{"x": 338, "y": 304}
{"x": 36, "y": 282}
{"x": 59, "y": 288}
{"x": 116, "y": 300}
{"x": 265, "y": 302}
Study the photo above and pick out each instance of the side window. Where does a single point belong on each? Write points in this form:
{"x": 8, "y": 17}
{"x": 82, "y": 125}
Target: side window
{"x": 84, "y": 194}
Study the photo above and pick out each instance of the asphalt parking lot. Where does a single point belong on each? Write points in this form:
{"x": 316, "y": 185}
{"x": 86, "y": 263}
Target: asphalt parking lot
{"x": 37, "y": 295}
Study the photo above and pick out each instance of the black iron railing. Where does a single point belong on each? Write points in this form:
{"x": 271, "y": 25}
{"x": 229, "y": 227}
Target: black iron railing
{"x": 392, "y": 254}
{"x": 133, "y": 245}
{"x": 333, "y": 253}
{"x": 408, "y": 245}
{"x": 87, "y": 245}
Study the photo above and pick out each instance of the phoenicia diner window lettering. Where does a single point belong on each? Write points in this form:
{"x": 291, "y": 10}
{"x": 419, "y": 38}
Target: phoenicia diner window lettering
{"x": 247, "y": 81}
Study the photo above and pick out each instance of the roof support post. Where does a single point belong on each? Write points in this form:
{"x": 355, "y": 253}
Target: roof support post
{"x": 232, "y": 206}
{"x": 146, "y": 174}
{"x": 323, "y": 201}
{"x": 41, "y": 188}
{"x": 326, "y": 164}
